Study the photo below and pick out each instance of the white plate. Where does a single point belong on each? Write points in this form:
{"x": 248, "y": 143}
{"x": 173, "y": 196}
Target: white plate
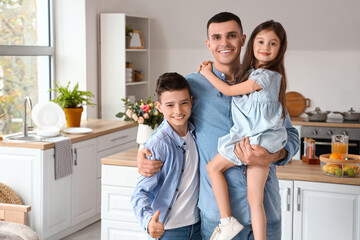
{"x": 48, "y": 114}
{"x": 48, "y": 131}
{"x": 77, "y": 130}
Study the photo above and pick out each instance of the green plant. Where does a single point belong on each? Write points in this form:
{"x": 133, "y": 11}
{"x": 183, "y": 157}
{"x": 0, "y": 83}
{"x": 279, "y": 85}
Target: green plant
{"x": 67, "y": 98}
{"x": 128, "y": 30}
{"x": 141, "y": 112}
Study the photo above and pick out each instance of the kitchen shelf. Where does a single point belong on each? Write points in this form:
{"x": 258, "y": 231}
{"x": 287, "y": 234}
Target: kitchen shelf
{"x": 114, "y": 56}
{"x": 136, "y": 50}
{"x": 136, "y": 83}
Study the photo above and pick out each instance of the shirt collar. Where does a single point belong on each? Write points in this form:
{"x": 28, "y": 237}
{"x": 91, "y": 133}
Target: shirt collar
{"x": 180, "y": 142}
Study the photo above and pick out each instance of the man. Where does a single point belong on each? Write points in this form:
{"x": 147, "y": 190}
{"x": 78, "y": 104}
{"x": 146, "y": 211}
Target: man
{"x": 211, "y": 115}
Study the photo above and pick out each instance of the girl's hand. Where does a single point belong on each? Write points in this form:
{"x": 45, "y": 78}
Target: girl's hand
{"x": 205, "y": 68}
{"x": 205, "y": 63}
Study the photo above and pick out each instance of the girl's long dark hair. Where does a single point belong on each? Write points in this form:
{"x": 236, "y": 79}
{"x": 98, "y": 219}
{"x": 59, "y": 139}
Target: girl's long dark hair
{"x": 276, "y": 65}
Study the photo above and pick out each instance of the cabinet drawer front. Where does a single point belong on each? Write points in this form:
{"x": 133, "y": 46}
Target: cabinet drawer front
{"x": 115, "y": 139}
{"x": 119, "y": 175}
{"x": 114, "y": 230}
{"x": 116, "y": 204}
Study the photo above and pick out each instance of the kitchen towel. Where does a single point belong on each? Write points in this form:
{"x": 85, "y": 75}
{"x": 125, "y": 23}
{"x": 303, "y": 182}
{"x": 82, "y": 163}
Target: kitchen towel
{"x": 63, "y": 156}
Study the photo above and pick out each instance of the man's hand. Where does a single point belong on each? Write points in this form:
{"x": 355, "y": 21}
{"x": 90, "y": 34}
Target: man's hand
{"x": 147, "y": 167}
{"x": 155, "y": 228}
{"x": 255, "y": 154}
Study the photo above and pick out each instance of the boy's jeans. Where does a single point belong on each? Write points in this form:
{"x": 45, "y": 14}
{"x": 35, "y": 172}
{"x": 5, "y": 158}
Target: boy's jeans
{"x": 273, "y": 230}
{"x": 191, "y": 232}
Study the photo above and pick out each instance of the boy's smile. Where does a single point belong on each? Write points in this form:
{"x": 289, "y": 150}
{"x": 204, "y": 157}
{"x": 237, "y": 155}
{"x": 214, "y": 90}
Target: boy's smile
{"x": 176, "y": 107}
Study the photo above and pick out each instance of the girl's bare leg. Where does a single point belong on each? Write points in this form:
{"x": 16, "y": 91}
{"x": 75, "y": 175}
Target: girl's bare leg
{"x": 256, "y": 179}
{"x": 216, "y": 168}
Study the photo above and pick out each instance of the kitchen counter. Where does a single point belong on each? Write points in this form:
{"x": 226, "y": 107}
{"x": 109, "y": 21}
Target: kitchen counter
{"x": 294, "y": 170}
{"x": 100, "y": 127}
{"x": 302, "y": 121}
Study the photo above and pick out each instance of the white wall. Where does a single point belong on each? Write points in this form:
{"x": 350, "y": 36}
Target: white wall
{"x": 323, "y": 58}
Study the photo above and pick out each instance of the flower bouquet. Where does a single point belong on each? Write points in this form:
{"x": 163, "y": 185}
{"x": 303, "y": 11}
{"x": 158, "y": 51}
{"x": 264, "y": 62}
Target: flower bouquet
{"x": 141, "y": 112}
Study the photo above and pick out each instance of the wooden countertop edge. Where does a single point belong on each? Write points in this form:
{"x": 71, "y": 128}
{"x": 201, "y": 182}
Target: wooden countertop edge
{"x": 294, "y": 170}
{"x": 74, "y": 137}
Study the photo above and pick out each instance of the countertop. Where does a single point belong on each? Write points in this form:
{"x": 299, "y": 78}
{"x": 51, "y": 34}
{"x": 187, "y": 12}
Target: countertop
{"x": 100, "y": 127}
{"x": 294, "y": 170}
{"x": 302, "y": 121}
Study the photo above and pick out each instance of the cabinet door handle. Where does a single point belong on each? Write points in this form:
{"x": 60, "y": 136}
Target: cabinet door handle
{"x": 288, "y": 200}
{"x": 298, "y": 198}
{"x": 75, "y": 153}
{"x": 118, "y": 138}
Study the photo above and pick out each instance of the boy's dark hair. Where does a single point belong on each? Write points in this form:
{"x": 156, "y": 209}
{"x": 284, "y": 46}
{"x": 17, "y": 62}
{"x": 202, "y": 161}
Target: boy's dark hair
{"x": 224, "y": 17}
{"x": 171, "y": 82}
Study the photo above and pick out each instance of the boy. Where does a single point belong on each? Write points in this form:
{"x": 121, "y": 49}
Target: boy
{"x": 166, "y": 203}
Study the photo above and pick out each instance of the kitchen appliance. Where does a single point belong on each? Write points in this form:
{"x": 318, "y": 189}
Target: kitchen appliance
{"x": 296, "y": 103}
{"x": 322, "y": 137}
{"x": 350, "y": 115}
{"x": 317, "y": 115}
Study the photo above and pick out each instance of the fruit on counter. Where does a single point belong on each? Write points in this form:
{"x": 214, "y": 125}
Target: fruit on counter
{"x": 338, "y": 172}
{"x": 351, "y": 172}
{"x": 330, "y": 168}
{"x": 350, "y": 166}
{"x": 336, "y": 155}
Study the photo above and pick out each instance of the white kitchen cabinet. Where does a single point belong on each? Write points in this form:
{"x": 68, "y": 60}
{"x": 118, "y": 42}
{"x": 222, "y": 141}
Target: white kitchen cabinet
{"x": 64, "y": 206}
{"x": 321, "y": 211}
{"x": 114, "y": 56}
{"x": 286, "y": 194}
{"x": 83, "y": 181}
{"x": 118, "y": 220}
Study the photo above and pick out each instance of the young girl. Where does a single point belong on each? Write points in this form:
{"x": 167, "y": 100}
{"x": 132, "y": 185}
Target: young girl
{"x": 258, "y": 110}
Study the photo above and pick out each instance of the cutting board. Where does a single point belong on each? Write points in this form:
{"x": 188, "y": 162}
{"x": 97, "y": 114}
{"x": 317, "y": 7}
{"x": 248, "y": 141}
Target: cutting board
{"x": 296, "y": 103}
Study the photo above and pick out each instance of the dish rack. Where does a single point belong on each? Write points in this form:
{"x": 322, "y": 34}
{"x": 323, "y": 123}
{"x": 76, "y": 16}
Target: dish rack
{"x": 340, "y": 167}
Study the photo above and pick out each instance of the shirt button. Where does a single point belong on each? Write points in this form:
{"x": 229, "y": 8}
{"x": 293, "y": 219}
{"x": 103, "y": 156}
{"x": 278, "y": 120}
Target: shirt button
{"x": 222, "y": 74}
{"x": 244, "y": 172}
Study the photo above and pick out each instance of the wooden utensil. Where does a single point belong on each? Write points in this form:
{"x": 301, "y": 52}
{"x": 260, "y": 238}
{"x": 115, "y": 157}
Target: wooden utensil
{"x": 296, "y": 103}
{"x": 1, "y": 115}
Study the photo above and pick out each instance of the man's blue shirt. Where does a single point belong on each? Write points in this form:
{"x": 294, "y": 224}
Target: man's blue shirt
{"x": 211, "y": 115}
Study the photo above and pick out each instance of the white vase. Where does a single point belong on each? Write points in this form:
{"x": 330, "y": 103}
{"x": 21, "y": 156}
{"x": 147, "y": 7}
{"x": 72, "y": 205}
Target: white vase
{"x": 143, "y": 134}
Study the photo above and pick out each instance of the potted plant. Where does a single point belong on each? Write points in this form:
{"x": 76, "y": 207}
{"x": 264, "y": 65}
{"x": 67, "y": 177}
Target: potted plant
{"x": 128, "y": 31}
{"x": 72, "y": 102}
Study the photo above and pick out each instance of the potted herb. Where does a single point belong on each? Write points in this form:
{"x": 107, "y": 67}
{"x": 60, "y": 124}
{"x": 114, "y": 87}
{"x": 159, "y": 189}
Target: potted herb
{"x": 72, "y": 102}
{"x": 128, "y": 31}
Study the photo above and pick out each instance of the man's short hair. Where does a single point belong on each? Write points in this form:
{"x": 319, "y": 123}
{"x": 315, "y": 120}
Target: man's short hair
{"x": 171, "y": 81}
{"x": 224, "y": 17}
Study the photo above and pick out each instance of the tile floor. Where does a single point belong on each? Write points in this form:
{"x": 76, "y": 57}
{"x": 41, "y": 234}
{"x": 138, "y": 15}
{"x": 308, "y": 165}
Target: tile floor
{"x": 91, "y": 232}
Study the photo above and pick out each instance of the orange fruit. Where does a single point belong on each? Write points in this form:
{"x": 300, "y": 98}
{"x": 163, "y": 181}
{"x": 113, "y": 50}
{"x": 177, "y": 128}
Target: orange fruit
{"x": 336, "y": 155}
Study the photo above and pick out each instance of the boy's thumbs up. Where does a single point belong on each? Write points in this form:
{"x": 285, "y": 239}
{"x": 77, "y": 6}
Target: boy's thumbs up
{"x": 156, "y": 216}
{"x": 155, "y": 228}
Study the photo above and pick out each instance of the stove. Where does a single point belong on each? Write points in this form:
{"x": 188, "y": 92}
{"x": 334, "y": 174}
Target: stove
{"x": 322, "y": 137}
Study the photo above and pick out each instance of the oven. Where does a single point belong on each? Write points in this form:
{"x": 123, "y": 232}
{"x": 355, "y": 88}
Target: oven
{"x": 322, "y": 137}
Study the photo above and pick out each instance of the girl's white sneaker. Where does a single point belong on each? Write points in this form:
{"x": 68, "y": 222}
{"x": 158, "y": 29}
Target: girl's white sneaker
{"x": 228, "y": 231}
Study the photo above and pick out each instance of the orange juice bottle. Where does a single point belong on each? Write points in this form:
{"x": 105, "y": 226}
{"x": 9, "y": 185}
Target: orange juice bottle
{"x": 339, "y": 147}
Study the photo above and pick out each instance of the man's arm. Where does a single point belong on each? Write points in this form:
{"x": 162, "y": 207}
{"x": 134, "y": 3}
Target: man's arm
{"x": 257, "y": 155}
{"x": 147, "y": 167}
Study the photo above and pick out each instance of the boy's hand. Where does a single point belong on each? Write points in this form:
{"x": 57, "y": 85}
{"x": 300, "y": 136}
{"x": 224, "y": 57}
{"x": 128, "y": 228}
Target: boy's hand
{"x": 147, "y": 167}
{"x": 155, "y": 228}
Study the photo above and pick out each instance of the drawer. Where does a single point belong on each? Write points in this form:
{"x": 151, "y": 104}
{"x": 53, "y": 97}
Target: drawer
{"x": 116, "y": 204}
{"x": 119, "y": 176}
{"x": 115, "y": 230}
{"x": 117, "y": 138}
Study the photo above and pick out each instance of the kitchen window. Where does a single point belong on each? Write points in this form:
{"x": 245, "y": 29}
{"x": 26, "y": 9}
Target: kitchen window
{"x": 26, "y": 58}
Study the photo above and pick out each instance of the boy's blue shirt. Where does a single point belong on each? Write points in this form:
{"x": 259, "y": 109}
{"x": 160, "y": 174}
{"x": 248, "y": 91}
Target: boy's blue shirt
{"x": 160, "y": 191}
